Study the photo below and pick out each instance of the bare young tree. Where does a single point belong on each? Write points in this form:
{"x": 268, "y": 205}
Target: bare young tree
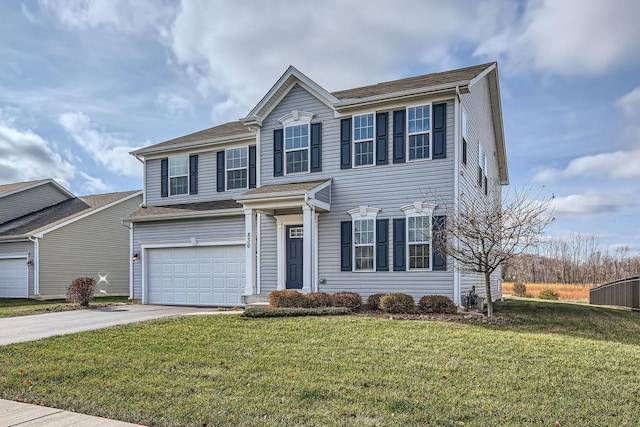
{"x": 482, "y": 234}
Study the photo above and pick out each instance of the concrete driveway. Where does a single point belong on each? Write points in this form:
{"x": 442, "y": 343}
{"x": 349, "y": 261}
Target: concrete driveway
{"x": 30, "y": 328}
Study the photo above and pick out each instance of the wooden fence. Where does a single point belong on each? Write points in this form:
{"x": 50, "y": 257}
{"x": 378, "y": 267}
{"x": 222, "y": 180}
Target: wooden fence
{"x": 621, "y": 293}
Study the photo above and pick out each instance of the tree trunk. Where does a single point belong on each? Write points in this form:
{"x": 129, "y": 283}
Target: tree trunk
{"x": 487, "y": 286}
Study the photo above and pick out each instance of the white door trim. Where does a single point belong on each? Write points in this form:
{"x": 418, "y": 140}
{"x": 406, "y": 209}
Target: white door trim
{"x": 281, "y": 246}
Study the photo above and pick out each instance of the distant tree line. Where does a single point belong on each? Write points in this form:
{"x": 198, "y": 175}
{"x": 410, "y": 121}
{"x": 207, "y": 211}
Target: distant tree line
{"x": 577, "y": 259}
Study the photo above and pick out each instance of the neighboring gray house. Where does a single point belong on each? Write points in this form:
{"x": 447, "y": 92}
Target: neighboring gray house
{"x": 319, "y": 191}
{"x": 48, "y": 237}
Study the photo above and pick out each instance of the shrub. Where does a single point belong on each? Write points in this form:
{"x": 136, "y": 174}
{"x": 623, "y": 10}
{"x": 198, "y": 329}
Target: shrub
{"x": 318, "y": 299}
{"x": 527, "y": 295}
{"x": 519, "y": 289}
{"x": 287, "y": 298}
{"x": 256, "y": 312}
{"x": 397, "y": 303}
{"x": 549, "y": 294}
{"x": 81, "y": 290}
{"x": 437, "y": 304}
{"x": 373, "y": 301}
{"x": 350, "y": 300}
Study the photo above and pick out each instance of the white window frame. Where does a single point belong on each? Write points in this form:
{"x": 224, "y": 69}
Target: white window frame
{"x": 465, "y": 139}
{"x": 482, "y": 162}
{"x": 355, "y": 141}
{"x": 425, "y": 210}
{"x": 410, "y": 134}
{"x": 227, "y": 169}
{"x": 296, "y": 118}
{"x": 170, "y": 176}
{"x": 363, "y": 213}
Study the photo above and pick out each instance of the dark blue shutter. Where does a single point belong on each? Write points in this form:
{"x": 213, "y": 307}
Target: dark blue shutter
{"x": 193, "y": 174}
{"x": 398, "y": 136}
{"x": 220, "y": 171}
{"x": 278, "y": 153}
{"x": 164, "y": 178}
{"x": 345, "y": 246}
{"x": 382, "y": 136}
{"x": 399, "y": 244}
{"x": 382, "y": 245}
{"x": 439, "y": 131}
{"x": 345, "y": 143}
{"x": 252, "y": 166}
{"x": 439, "y": 261}
{"x": 316, "y": 147}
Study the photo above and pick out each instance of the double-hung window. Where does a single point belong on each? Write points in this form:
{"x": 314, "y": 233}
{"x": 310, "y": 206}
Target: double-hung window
{"x": 296, "y": 144}
{"x": 363, "y": 139}
{"x": 419, "y": 131}
{"x": 237, "y": 167}
{"x": 419, "y": 241}
{"x": 465, "y": 138}
{"x": 364, "y": 238}
{"x": 179, "y": 175}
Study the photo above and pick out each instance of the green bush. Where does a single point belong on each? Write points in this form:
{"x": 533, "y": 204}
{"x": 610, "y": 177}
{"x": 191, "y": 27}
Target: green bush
{"x": 350, "y": 300}
{"x": 527, "y": 295}
{"x": 287, "y": 298}
{"x": 437, "y": 304}
{"x": 318, "y": 300}
{"x": 373, "y": 301}
{"x": 549, "y": 294}
{"x": 81, "y": 290}
{"x": 397, "y": 303}
{"x": 256, "y": 312}
{"x": 519, "y": 289}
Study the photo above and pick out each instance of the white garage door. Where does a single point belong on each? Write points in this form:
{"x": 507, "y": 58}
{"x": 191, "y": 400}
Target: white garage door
{"x": 208, "y": 275}
{"x": 14, "y": 278}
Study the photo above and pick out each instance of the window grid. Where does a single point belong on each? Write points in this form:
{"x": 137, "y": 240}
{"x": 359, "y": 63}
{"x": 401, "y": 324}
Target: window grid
{"x": 178, "y": 175}
{"x": 419, "y": 241}
{"x": 236, "y": 160}
{"x": 364, "y": 241}
{"x": 363, "y": 133}
{"x": 296, "y": 140}
{"x": 419, "y": 127}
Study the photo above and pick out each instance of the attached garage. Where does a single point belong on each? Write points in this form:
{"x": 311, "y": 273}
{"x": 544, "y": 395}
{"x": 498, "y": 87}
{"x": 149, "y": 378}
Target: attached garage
{"x": 200, "y": 275}
{"x": 14, "y": 277}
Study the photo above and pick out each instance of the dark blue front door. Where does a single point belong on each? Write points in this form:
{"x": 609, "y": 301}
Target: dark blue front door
{"x": 294, "y": 257}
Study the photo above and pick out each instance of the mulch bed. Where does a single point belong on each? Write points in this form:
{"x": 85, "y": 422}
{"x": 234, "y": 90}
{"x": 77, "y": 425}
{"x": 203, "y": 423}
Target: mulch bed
{"x": 467, "y": 318}
{"x": 60, "y": 308}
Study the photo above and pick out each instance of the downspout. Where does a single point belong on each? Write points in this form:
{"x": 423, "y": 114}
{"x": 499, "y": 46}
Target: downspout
{"x": 130, "y": 227}
{"x": 36, "y": 265}
{"x": 456, "y": 185}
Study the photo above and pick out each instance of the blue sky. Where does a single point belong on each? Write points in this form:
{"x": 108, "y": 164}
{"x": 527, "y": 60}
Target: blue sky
{"x": 82, "y": 83}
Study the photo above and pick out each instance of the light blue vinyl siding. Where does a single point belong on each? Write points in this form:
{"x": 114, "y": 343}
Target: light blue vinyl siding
{"x": 181, "y": 231}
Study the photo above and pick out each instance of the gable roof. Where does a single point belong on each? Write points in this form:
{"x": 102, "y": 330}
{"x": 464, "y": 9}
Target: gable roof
{"x": 53, "y": 217}
{"x": 16, "y": 187}
{"x": 191, "y": 210}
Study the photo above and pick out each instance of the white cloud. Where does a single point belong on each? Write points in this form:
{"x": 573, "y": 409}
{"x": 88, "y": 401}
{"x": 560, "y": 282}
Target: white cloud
{"x": 95, "y": 185}
{"x": 570, "y": 37}
{"x": 235, "y": 51}
{"x": 28, "y": 14}
{"x": 26, "y": 156}
{"x": 122, "y": 15}
{"x": 591, "y": 203}
{"x": 108, "y": 149}
{"x": 173, "y": 105}
{"x": 616, "y": 164}
{"x": 630, "y": 104}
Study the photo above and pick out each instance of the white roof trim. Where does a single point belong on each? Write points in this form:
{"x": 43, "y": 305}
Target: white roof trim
{"x": 91, "y": 212}
{"x": 38, "y": 184}
{"x": 193, "y": 144}
{"x": 286, "y": 79}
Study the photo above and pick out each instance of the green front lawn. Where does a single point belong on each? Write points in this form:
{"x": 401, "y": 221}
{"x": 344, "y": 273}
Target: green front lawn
{"x": 568, "y": 365}
{"x": 11, "y": 307}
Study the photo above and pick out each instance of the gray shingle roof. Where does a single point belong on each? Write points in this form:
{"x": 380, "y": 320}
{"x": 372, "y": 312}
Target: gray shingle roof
{"x": 424, "y": 81}
{"x": 291, "y": 187}
{"x": 51, "y": 216}
{"x": 7, "y": 188}
{"x": 182, "y": 209}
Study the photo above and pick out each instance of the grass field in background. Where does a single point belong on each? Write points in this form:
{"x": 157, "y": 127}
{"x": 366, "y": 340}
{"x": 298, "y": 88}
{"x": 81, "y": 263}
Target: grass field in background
{"x": 566, "y": 364}
{"x": 567, "y": 292}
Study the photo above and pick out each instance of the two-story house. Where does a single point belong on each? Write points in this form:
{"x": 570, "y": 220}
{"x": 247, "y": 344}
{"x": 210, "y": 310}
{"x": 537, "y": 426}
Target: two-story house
{"x": 320, "y": 191}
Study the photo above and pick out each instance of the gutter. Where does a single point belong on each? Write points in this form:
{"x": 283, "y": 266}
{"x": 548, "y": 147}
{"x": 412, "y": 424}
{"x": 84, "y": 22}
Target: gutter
{"x": 193, "y": 144}
{"x": 36, "y": 265}
{"x": 204, "y": 214}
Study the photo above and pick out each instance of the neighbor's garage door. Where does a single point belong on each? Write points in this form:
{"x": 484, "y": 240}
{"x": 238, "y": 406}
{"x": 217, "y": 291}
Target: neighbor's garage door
{"x": 208, "y": 275}
{"x": 14, "y": 278}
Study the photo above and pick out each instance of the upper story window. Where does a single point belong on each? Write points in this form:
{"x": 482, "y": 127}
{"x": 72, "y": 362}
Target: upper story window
{"x": 419, "y": 131}
{"x": 363, "y": 135}
{"x": 464, "y": 137}
{"x": 482, "y": 168}
{"x": 237, "y": 167}
{"x": 296, "y": 144}
{"x": 178, "y": 175}
{"x": 364, "y": 238}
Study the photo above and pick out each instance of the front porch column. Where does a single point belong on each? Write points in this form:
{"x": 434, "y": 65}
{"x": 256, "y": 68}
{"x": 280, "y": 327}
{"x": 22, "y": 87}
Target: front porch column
{"x": 250, "y": 251}
{"x": 307, "y": 248}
